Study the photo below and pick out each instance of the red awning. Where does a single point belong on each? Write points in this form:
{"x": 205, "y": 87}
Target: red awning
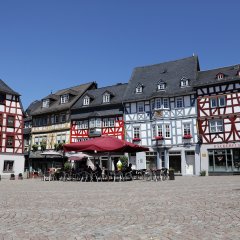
{"x": 104, "y": 144}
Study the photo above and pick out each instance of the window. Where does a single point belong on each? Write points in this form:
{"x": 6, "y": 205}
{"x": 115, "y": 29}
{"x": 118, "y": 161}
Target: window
{"x": 158, "y": 103}
{"x": 8, "y": 166}
{"x": 140, "y": 107}
{"x": 56, "y": 118}
{"x": 161, "y": 86}
{"x": 98, "y": 122}
{"x": 179, "y": 102}
{"x": 46, "y": 103}
{"x": 2, "y": 98}
{"x": 108, "y": 122}
{"x": 10, "y": 142}
{"x": 64, "y": 98}
{"x": 186, "y": 129}
{"x": 220, "y": 76}
{"x": 167, "y": 131}
{"x": 160, "y": 130}
{"x": 216, "y": 126}
{"x": 217, "y": 102}
{"x": 92, "y": 123}
{"x": 82, "y": 124}
{"x": 86, "y": 101}
{"x": 10, "y": 121}
{"x": 184, "y": 82}
{"x": 106, "y": 98}
{"x": 165, "y": 103}
{"x": 238, "y": 73}
{"x": 1, "y": 119}
{"x": 154, "y": 131}
{"x": 61, "y": 138}
{"x": 139, "y": 88}
{"x": 221, "y": 101}
{"x": 63, "y": 117}
{"x": 136, "y": 132}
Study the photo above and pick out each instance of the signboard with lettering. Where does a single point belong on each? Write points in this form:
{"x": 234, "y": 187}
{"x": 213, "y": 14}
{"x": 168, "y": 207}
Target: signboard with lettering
{"x": 94, "y": 132}
{"x": 227, "y": 145}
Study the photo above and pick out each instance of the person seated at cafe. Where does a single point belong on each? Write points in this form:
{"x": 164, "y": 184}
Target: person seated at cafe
{"x": 89, "y": 169}
{"x": 98, "y": 170}
{"x": 129, "y": 168}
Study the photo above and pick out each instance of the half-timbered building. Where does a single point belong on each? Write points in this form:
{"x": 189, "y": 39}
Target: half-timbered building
{"x": 218, "y": 102}
{"x": 51, "y": 124}
{"x": 11, "y": 137}
{"x": 160, "y": 113}
{"x": 99, "y": 112}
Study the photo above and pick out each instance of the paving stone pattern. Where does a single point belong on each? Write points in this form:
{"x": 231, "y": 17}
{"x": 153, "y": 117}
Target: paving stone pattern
{"x": 187, "y": 208}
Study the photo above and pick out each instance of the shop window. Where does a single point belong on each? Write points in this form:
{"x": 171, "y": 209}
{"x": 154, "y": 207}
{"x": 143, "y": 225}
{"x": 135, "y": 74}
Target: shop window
{"x": 8, "y": 166}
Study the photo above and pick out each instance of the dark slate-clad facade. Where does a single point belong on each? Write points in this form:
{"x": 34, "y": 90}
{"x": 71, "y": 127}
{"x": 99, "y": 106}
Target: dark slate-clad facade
{"x": 51, "y": 124}
{"x": 160, "y": 113}
{"x": 99, "y": 112}
{"x": 218, "y": 102}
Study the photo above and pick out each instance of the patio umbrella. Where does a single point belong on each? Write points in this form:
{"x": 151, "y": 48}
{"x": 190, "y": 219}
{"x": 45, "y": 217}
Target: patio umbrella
{"x": 52, "y": 154}
{"x": 104, "y": 144}
{"x": 78, "y": 156}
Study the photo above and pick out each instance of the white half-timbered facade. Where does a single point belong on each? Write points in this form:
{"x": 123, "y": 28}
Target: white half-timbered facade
{"x": 11, "y": 128}
{"x": 161, "y": 113}
{"x": 218, "y": 103}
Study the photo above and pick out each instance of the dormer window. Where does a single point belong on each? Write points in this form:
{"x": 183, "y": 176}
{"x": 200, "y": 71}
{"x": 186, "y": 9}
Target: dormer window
{"x": 161, "y": 86}
{"x": 86, "y": 101}
{"x": 184, "y": 82}
{"x": 220, "y": 76}
{"x": 45, "y": 103}
{"x": 106, "y": 98}
{"x": 139, "y": 88}
{"x": 238, "y": 73}
{"x": 64, "y": 98}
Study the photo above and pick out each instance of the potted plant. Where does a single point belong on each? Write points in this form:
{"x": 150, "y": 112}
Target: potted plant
{"x": 171, "y": 174}
{"x": 12, "y": 176}
{"x": 159, "y": 138}
{"x": 67, "y": 167}
{"x": 43, "y": 145}
{"x": 20, "y": 176}
{"x": 34, "y": 147}
{"x": 136, "y": 139}
{"x": 187, "y": 136}
{"x": 203, "y": 173}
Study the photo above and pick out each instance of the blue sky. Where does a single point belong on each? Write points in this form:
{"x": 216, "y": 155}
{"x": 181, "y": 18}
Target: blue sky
{"x": 47, "y": 45}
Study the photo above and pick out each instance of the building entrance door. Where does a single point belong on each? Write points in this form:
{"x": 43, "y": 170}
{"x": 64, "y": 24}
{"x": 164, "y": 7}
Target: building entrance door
{"x": 175, "y": 163}
{"x": 190, "y": 164}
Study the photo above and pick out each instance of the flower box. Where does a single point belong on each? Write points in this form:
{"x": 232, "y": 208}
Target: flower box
{"x": 187, "y": 136}
{"x": 136, "y": 139}
{"x": 159, "y": 138}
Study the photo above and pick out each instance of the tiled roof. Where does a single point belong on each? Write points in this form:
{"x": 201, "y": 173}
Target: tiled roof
{"x": 170, "y": 73}
{"x": 6, "y": 89}
{"x": 209, "y": 77}
{"x": 96, "y": 95}
{"x": 55, "y": 104}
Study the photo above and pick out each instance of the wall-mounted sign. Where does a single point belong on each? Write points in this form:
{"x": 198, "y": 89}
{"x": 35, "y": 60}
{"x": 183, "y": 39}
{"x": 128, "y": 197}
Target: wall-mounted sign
{"x": 227, "y": 145}
{"x": 204, "y": 154}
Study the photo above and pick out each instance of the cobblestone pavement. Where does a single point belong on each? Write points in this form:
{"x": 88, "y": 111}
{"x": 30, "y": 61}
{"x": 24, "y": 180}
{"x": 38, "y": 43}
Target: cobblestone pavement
{"x": 187, "y": 208}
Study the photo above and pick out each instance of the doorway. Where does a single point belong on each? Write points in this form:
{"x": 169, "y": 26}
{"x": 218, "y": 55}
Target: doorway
{"x": 175, "y": 163}
{"x": 190, "y": 162}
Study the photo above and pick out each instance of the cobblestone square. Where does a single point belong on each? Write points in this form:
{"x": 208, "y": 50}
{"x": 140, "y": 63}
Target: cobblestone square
{"x": 186, "y": 208}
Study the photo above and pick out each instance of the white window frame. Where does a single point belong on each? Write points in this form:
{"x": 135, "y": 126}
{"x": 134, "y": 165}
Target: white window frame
{"x": 154, "y": 131}
{"x": 45, "y": 103}
{"x": 158, "y": 103}
{"x": 140, "y": 107}
{"x": 139, "y": 88}
{"x": 167, "y": 131}
{"x": 64, "y": 98}
{"x": 161, "y": 86}
{"x": 216, "y": 126}
{"x": 160, "y": 130}
{"x": 220, "y": 76}
{"x": 165, "y": 103}
{"x": 186, "y": 128}
{"x": 86, "y": 101}
{"x": 136, "y": 132}
{"x": 82, "y": 124}
{"x": 184, "y": 82}
{"x": 178, "y": 101}
{"x": 106, "y": 98}
{"x": 221, "y": 104}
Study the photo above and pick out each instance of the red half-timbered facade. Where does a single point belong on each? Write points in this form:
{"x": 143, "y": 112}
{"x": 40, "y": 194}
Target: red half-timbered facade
{"x": 218, "y": 105}
{"x": 11, "y": 127}
{"x": 97, "y": 113}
